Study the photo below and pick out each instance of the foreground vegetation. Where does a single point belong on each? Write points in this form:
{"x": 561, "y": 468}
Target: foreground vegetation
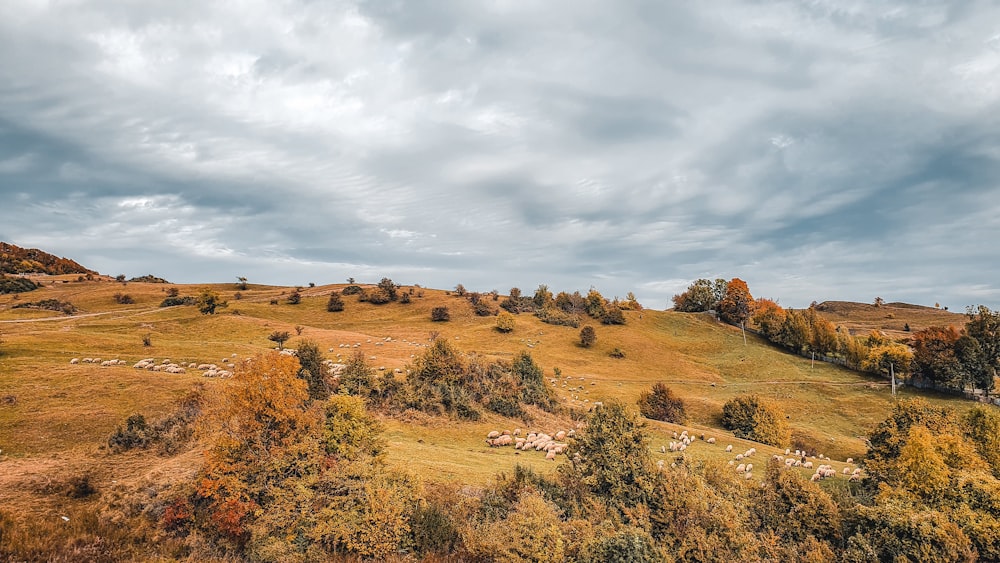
{"x": 380, "y": 464}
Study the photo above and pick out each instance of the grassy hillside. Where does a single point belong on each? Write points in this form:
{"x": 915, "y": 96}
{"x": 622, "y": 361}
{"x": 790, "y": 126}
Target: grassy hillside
{"x": 890, "y": 318}
{"x": 55, "y": 415}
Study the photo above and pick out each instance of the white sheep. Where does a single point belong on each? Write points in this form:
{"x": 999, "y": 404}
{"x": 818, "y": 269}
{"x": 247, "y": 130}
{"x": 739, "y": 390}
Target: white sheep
{"x": 729, "y": 448}
{"x": 75, "y": 361}
{"x": 711, "y": 440}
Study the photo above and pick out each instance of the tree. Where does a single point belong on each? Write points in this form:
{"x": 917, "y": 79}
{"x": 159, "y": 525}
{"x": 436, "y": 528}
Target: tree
{"x": 390, "y": 289}
{"x": 753, "y": 418}
{"x": 120, "y": 278}
{"x": 702, "y": 295}
{"x": 888, "y": 358}
{"x": 505, "y": 322}
{"x": 208, "y": 301}
{"x": 543, "y": 296}
{"x": 984, "y": 326}
{"x": 335, "y": 303}
{"x": 737, "y": 306}
{"x": 878, "y": 302}
{"x": 313, "y": 370}
{"x": 588, "y": 336}
{"x": 295, "y": 298}
{"x": 357, "y": 377}
{"x": 440, "y": 314}
{"x": 934, "y": 356}
{"x": 460, "y": 290}
{"x": 661, "y": 403}
{"x": 975, "y": 371}
{"x": 614, "y": 461}
{"x": 279, "y": 337}
{"x": 241, "y": 283}
{"x": 768, "y": 317}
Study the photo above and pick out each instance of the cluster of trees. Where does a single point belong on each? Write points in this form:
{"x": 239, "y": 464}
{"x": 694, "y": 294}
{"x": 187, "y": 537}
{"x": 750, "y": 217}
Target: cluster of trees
{"x": 16, "y": 284}
{"x": 959, "y": 359}
{"x": 17, "y": 260}
{"x": 755, "y": 418}
{"x": 569, "y": 309}
{"x": 946, "y": 357}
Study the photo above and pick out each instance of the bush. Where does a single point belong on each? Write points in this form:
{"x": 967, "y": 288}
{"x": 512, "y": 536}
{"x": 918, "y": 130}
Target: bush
{"x": 617, "y": 352}
{"x": 752, "y": 418}
{"x": 482, "y": 309}
{"x": 377, "y": 296}
{"x": 16, "y": 285}
{"x": 588, "y": 336}
{"x": 505, "y": 322}
{"x": 440, "y": 314}
{"x": 662, "y": 404}
{"x": 123, "y": 299}
{"x": 405, "y": 297}
{"x": 555, "y": 316}
{"x": 295, "y": 298}
{"x": 613, "y": 316}
{"x": 351, "y": 290}
{"x": 390, "y": 288}
{"x": 175, "y": 301}
{"x": 335, "y": 304}
{"x": 49, "y": 305}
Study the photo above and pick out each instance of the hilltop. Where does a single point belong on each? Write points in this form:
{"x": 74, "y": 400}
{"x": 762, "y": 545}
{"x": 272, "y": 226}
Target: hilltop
{"x": 17, "y": 260}
{"x": 896, "y": 320}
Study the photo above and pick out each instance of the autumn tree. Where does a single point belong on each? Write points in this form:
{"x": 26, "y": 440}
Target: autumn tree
{"x": 737, "y": 306}
{"x": 934, "y": 356}
{"x": 587, "y": 336}
{"x": 768, "y": 317}
{"x": 543, "y": 296}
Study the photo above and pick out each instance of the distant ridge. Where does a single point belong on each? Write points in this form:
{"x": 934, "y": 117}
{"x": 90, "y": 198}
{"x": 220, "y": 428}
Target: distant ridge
{"x": 895, "y": 319}
{"x": 17, "y": 260}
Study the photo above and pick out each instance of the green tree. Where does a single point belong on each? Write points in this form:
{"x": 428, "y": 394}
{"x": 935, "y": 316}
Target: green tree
{"x": 543, "y": 297}
{"x": 357, "y": 377}
{"x": 588, "y": 336}
{"x": 753, "y": 418}
{"x": 279, "y": 337}
{"x": 702, "y": 295}
{"x": 313, "y": 370}
{"x": 335, "y": 303}
{"x": 390, "y": 288}
{"x": 208, "y": 301}
{"x": 661, "y": 403}
{"x": 614, "y": 463}
{"x": 984, "y": 326}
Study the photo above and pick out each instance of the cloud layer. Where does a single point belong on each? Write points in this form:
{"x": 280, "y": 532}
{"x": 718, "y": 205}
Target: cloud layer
{"x": 820, "y": 150}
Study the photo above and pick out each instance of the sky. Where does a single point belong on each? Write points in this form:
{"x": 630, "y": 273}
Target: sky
{"x": 819, "y": 150}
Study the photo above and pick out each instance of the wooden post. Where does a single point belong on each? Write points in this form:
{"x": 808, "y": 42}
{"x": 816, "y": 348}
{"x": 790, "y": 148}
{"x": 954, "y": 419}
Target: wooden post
{"x": 892, "y": 373}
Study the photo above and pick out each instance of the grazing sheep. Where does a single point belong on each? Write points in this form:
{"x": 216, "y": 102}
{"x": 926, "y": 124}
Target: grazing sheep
{"x": 75, "y": 361}
{"x": 561, "y": 435}
{"x": 711, "y": 440}
{"x": 850, "y": 460}
{"x": 493, "y": 434}
{"x": 551, "y": 455}
{"x": 749, "y": 467}
{"x": 739, "y": 457}
{"x": 659, "y": 465}
{"x": 846, "y": 471}
{"x": 748, "y": 475}
{"x": 729, "y": 448}
{"x": 741, "y": 468}
{"x": 663, "y": 449}
{"x": 854, "y": 477}
{"x": 808, "y": 465}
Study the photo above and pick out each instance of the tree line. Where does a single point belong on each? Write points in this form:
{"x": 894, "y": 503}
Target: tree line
{"x": 945, "y": 357}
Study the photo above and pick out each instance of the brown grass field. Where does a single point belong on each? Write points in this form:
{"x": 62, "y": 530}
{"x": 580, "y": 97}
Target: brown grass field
{"x": 55, "y": 417}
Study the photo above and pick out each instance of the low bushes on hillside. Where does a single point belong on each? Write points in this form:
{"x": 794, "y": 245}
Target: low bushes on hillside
{"x": 440, "y": 314}
{"x": 177, "y": 300}
{"x": 16, "y": 284}
{"x": 49, "y": 305}
{"x": 150, "y": 278}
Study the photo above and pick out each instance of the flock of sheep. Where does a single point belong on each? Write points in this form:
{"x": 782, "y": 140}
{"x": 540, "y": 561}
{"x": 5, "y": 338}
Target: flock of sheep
{"x": 551, "y": 444}
{"x": 166, "y": 366}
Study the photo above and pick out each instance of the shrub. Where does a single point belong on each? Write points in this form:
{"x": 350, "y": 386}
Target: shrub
{"x": 134, "y": 435}
{"x": 588, "y": 336}
{"x": 351, "y": 290}
{"x": 295, "y": 298}
{"x": 405, "y": 297}
{"x": 49, "y": 305}
{"x": 482, "y": 309}
{"x": 753, "y": 418}
{"x": 661, "y": 403}
{"x": 505, "y": 322}
{"x": 123, "y": 299}
{"x": 208, "y": 301}
{"x": 555, "y": 316}
{"x": 377, "y": 296}
{"x": 16, "y": 284}
{"x": 335, "y": 304}
{"x": 174, "y": 301}
{"x": 617, "y": 352}
{"x": 613, "y": 316}
{"x": 460, "y": 290}
{"x": 440, "y": 314}
{"x": 147, "y": 340}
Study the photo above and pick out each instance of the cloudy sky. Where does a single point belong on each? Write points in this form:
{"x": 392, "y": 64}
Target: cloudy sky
{"x": 817, "y": 149}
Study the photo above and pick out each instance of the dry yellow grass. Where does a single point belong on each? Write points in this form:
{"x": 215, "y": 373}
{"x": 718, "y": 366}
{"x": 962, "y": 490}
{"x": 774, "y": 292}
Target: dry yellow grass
{"x": 65, "y": 412}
